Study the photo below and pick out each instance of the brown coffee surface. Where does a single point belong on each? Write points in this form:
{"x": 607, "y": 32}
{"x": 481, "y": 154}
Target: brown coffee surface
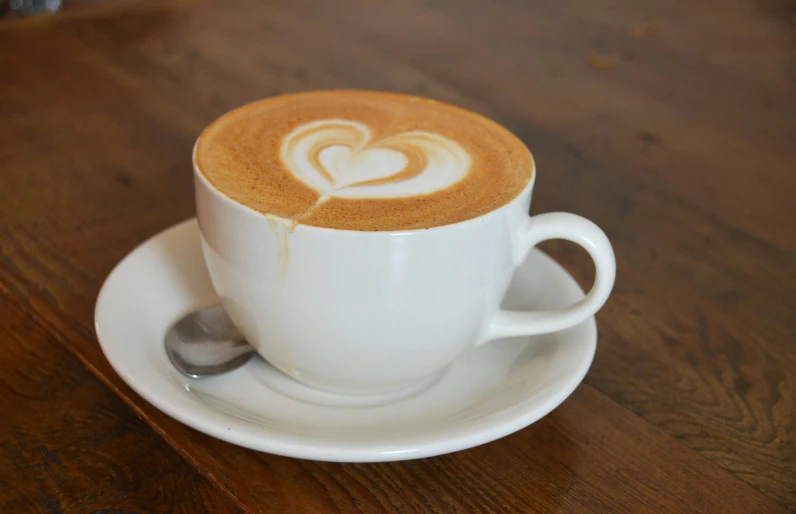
{"x": 361, "y": 160}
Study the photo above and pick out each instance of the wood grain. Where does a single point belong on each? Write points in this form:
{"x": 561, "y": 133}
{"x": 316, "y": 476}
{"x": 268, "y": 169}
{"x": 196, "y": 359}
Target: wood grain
{"x": 682, "y": 151}
{"x": 70, "y": 445}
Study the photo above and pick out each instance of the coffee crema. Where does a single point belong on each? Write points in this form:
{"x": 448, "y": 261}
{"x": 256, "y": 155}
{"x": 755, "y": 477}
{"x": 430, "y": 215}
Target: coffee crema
{"x": 362, "y": 160}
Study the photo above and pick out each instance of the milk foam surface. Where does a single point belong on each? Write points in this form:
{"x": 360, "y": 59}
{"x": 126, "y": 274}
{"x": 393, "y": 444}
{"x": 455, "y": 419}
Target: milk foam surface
{"x": 363, "y": 160}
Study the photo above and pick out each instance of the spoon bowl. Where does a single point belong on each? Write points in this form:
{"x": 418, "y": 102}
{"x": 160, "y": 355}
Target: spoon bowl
{"x": 205, "y": 343}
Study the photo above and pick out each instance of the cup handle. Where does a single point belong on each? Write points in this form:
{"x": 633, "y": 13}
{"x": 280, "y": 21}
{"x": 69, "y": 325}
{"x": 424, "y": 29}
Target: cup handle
{"x": 558, "y": 225}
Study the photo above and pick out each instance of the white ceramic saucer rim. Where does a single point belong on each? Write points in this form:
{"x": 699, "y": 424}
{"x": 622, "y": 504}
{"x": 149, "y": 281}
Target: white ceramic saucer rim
{"x": 204, "y": 418}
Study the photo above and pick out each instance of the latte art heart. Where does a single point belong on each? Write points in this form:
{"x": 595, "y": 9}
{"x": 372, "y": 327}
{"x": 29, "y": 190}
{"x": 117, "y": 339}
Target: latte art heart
{"x": 340, "y": 158}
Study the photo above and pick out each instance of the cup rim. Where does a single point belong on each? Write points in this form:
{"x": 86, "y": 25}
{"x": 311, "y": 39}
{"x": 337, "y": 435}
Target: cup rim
{"x": 295, "y": 225}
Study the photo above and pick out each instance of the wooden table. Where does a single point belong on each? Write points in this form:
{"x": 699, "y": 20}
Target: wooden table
{"x": 671, "y": 124}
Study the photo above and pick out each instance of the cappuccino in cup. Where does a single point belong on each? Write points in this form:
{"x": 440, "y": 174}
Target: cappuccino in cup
{"x": 361, "y": 241}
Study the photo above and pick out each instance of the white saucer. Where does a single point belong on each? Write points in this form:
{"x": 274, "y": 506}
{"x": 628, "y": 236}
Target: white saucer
{"x": 489, "y": 392}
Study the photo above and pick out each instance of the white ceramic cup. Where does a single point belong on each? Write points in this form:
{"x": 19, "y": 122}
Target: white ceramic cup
{"x": 375, "y": 312}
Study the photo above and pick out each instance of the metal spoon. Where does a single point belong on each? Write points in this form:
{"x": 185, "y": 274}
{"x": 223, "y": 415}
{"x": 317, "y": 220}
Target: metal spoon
{"x": 205, "y": 343}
